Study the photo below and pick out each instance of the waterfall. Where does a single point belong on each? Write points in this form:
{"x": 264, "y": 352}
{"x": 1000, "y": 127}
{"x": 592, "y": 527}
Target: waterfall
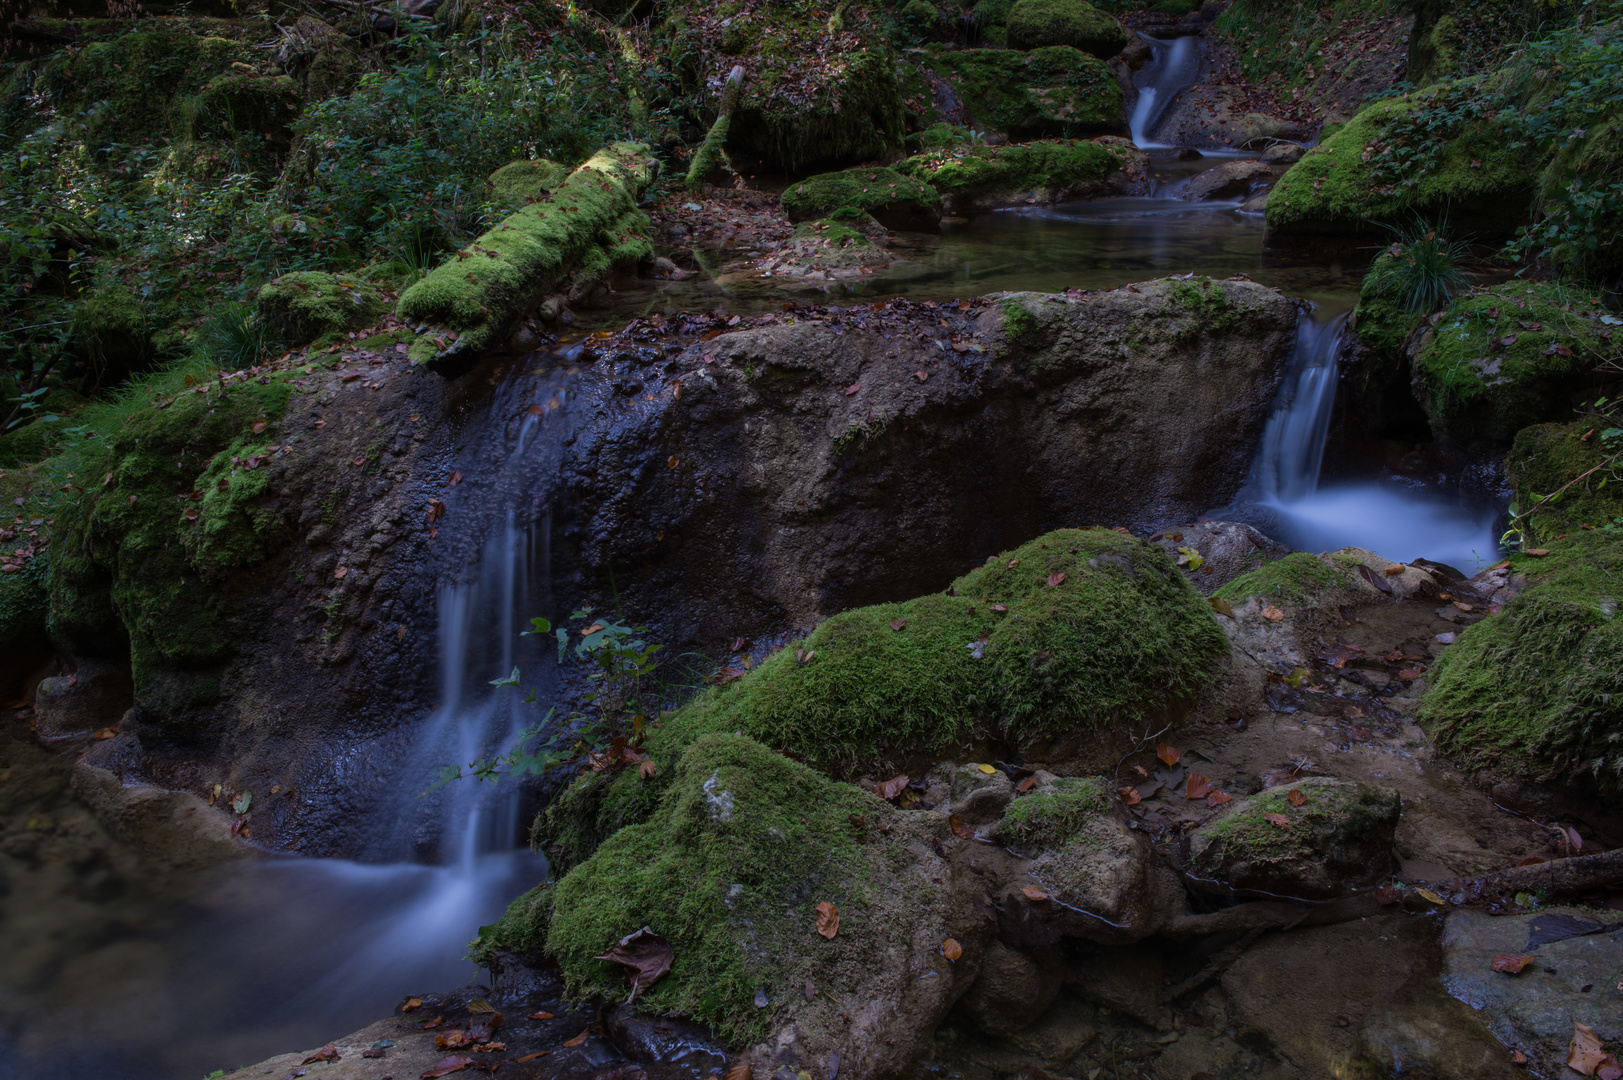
{"x": 1292, "y": 448}
{"x": 1173, "y": 68}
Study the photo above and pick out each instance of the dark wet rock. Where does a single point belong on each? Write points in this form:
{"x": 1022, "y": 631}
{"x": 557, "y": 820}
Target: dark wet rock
{"x": 980, "y": 798}
{"x": 1125, "y": 978}
{"x": 170, "y": 832}
{"x": 1230, "y": 180}
{"x": 1226, "y": 550}
{"x": 1283, "y": 153}
{"x": 1339, "y": 838}
{"x": 643, "y": 1036}
{"x": 1013, "y": 990}
{"x": 93, "y": 697}
{"x": 1573, "y": 980}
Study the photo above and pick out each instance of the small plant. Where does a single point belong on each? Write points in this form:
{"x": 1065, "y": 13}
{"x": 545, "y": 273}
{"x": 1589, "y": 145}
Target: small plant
{"x": 1607, "y": 470}
{"x": 1422, "y": 269}
{"x": 234, "y": 338}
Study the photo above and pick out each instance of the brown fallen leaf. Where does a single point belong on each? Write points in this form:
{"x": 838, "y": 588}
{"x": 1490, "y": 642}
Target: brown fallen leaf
{"x": 646, "y": 957}
{"x": 579, "y": 1039}
{"x": 1055, "y": 580}
{"x": 1220, "y": 606}
{"x": 1197, "y": 787}
{"x": 1511, "y": 963}
{"x": 1386, "y": 895}
{"x": 1277, "y": 819}
{"x": 533, "y": 1057}
{"x": 891, "y": 788}
{"x": 853, "y": 388}
{"x": 1026, "y": 785}
{"x": 898, "y": 625}
{"x": 1032, "y": 892}
{"x": 326, "y": 1053}
{"x": 1130, "y": 796}
{"x": 375, "y": 1052}
{"x": 648, "y": 770}
{"x": 490, "y": 1047}
{"x": 1168, "y": 754}
{"x": 539, "y": 1016}
{"x": 959, "y": 829}
{"x": 1141, "y": 771}
{"x": 1518, "y": 1057}
{"x": 1272, "y": 614}
{"x": 1219, "y": 798}
{"x": 1410, "y": 674}
{"x": 447, "y": 1066}
{"x": 1295, "y": 797}
{"x": 1396, "y": 568}
{"x": 1537, "y": 553}
{"x": 1586, "y": 1054}
{"x": 740, "y": 1071}
{"x": 260, "y": 425}
{"x": 828, "y": 920}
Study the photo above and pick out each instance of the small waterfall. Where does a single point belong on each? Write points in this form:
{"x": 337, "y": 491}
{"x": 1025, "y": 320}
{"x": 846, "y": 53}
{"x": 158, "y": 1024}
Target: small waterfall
{"x": 1284, "y": 498}
{"x": 1173, "y": 68}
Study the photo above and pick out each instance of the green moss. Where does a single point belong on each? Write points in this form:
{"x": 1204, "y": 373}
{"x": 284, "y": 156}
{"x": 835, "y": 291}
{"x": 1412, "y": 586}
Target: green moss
{"x": 885, "y": 194}
{"x": 1543, "y": 459}
{"x": 526, "y": 181}
{"x": 298, "y": 308}
{"x": 1204, "y": 298}
{"x": 1050, "y": 164}
{"x": 589, "y": 224}
{"x": 1537, "y": 689}
{"x": 1052, "y": 91}
{"x": 1296, "y": 578}
{"x": 1122, "y": 636}
{"x": 521, "y": 931}
{"x": 239, "y": 102}
{"x": 1033, "y": 24}
{"x": 1383, "y": 327}
{"x": 24, "y": 601}
{"x": 110, "y": 326}
{"x": 1334, "y": 815}
{"x": 744, "y": 845}
{"x": 1018, "y": 321}
{"x": 1494, "y": 363}
{"x": 596, "y": 805}
{"x": 1573, "y": 191}
{"x": 1052, "y": 817}
{"x": 1354, "y": 178}
{"x": 855, "y": 113}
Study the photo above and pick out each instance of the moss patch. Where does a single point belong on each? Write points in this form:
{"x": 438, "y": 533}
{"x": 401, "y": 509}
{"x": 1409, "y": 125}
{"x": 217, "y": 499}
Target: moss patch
{"x": 1051, "y": 817}
{"x": 1297, "y": 578}
{"x": 1538, "y": 688}
{"x": 890, "y": 197}
{"x": 1543, "y": 459}
{"x": 1506, "y": 357}
{"x": 588, "y": 226}
{"x": 299, "y": 308}
{"x": 855, "y": 112}
{"x": 526, "y": 181}
{"x": 1052, "y": 91}
{"x": 1033, "y": 24}
{"x": 1046, "y": 165}
{"x": 522, "y": 929}
{"x": 1383, "y": 327}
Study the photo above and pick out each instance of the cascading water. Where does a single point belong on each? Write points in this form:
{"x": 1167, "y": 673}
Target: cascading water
{"x": 1284, "y": 499}
{"x": 1173, "y": 67}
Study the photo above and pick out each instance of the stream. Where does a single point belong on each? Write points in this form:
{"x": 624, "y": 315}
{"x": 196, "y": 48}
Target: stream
{"x": 268, "y": 955}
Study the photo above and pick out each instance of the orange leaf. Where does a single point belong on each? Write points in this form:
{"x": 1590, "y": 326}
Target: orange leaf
{"x": 828, "y": 920}
{"x": 648, "y": 770}
{"x": 1586, "y": 1054}
{"x": 1033, "y": 893}
{"x": 411, "y": 1003}
{"x": 1537, "y": 553}
{"x": 1198, "y": 787}
{"x": 1130, "y": 796}
{"x": 1219, "y": 798}
{"x": 739, "y": 1072}
{"x": 1168, "y": 754}
{"x": 1026, "y": 785}
{"x": 951, "y": 949}
{"x": 959, "y": 829}
{"x": 1055, "y": 580}
{"x": 1295, "y": 797}
{"x": 1277, "y": 819}
{"x": 898, "y": 624}
{"x": 891, "y": 788}
{"x": 1272, "y": 614}
{"x": 1511, "y": 963}
{"x": 535, "y": 1056}
{"x": 539, "y": 1016}
{"x": 579, "y": 1039}
{"x": 1396, "y": 568}
{"x": 447, "y": 1066}
{"x": 260, "y": 425}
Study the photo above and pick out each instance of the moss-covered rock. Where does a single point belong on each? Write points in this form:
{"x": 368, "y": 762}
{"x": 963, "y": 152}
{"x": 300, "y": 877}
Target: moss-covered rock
{"x": 302, "y": 307}
{"x": 1057, "y": 90}
{"x": 1545, "y": 459}
{"x": 855, "y": 112}
{"x": 1297, "y": 578}
{"x": 1537, "y": 689}
{"x": 110, "y": 328}
{"x": 1335, "y": 837}
{"x": 1505, "y": 357}
{"x": 526, "y": 181}
{"x": 1034, "y": 24}
{"x": 521, "y": 931}
{"x": 730, "y": 868}
{"x": 1383, "y": 325}
{"x": 1003, "y": 655}
{"x": 245, "y": 102}
{"x": 895, "y": 200}
{"x": 585, "y": 229}
{"x": 1048, "y": 171}
{"x": 1395, "y": 159}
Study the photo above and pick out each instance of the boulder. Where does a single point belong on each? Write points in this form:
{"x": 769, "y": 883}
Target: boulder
{"x": 983, "y": 178}
{"x": 1213, "y": 553}
{"x": 1013, "y": 990}
{"x": 1283, "y": 153}
{"x": 854, "y": 112}
{"x": 980, "y": 797}
{"x": 94, "y": 696}
{"x": 1054, "y": 91}
{"x": 1230, "y": 180}
{"x": 307, "y": 306}
{"x": 894, "y": 200}
{"x": 1034, "y": 24}
{"x": 1339, "y": 839}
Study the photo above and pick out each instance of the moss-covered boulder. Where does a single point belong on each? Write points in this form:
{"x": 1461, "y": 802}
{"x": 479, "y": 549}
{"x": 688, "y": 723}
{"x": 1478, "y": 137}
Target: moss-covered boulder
{"x": 1035, "y": 24}
{"x": 1057, "y": 90}
{"x": 1545, "y": 459}
{"x": 731, "y": 869}
{"x": 240, "y": 102}
{"x": 854, "y": 112}
{"x": 1505, "y": 357}
{"x": 581, "y": 232}
{"x": 1536, "y": 690}
{"x": 1333, "y": 837}
{"x": 526, "y": 181}
{"x": 110, "y": 328}
{"x": 1384, "y": 324}
{"x": 894, "y": 200}
{"x": 980, "y": 177}
{"x": 1404, "y": 156}
{"x": 307, "y": 306}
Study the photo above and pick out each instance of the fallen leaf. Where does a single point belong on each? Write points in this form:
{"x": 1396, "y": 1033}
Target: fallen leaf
{"x": 447, "y": 1066}
{"x": 539, "y": 1016}
{"x": 535, "y": 1056}
{"x": 1386, "y": 895}
{"x": 1586, "y": 1054}
{"x": 1168, "y": 754}
{"x": 1055, "y": 580}
{"x": 1410, "y": 674}
{"x": 1026, "y": 785}
{"x": 898, "y": 624}
{"x": 1272, "y": 614}
{"x": 411, "y": 1003}
{"x": 455, "y": 478}
{"x": 1295, "y": 797}
{"x": 959, "y": 829}
{"x": 646, "y": 957}
{"x": 1395, "y": 569}
{"x": 1518, "y": 1057}
{"x": 1033, "y": 893}
{"x": 987, "y": 769}
{"x": 487, "y": 1048}
{"x": 1219, "y": 798}
{"x": 1000, "y": 608}
{"x": 951, "y": 950}
{"x": 260, "y": 425}
{"x": 1197, "y": 787}
{"x": 1429, "y": 896}
{"x": 1190, "y": 559}
{"x": 1220, "y": 605}
{"x": 1130, "y": 796}
{"x": 326, "y": 1053}
{"x": 891, "y": 788}
{"x": 1537, "y": 553}
{"x": 727, "y": 675}
{"x": 828, "y": 920}
{"x": 579, "y": 1039}
{"x": 648, "y": 770}
{"x": 1277, "y": 819}
{"x": 739, "y": 1072}
{"x": 1511, "y": 963}
{"x": 853, "y": 388}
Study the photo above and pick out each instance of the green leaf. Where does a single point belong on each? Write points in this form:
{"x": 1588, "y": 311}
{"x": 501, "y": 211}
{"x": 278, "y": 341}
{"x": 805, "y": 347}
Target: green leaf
{"x": 511, "y": 680}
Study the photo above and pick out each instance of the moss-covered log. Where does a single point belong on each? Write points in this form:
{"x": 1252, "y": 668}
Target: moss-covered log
{"x": 579, "y": 233}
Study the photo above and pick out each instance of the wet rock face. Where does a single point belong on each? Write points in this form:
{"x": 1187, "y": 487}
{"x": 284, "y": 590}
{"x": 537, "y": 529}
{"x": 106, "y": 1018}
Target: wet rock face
{"x": 1225, "y": 551}
{"x": 1329, "y": 838}
{"x": 1230, "y": 180}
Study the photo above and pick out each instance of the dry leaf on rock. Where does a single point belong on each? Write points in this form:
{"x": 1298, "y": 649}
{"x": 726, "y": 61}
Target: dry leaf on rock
{"x": 533, "y": 1057}
{"x": 1511, "y": 963}
{"x": 1168, "y": 754}
{"x": 987, "y": 769}
{"x": 412, "y": 1003}
{"x": 828, "y": 920}
{"x": 579, "y": 1039}
{"x": 447, "y": 1066}
{"x": 1272, "y": 614}
{"x": 1219, "y": 798}
{"x": 1277, "y": 819}
{"x": 1033, "y": 893}
{"x": 326, "y": 1053}
{"x": 951, "y": 949}
{"x": 1295, "y": 797}
{"x": 1587, "y": 1054}
{"x": 1130, "y": 796}
{"x": 1198, "y": 787}
{"x": 739, "y": 1072}
{"x": 959, "y": 828}
{"x": 646, "y": 957}
{"x": 539, "y": 1016}
{"x": 891, "y": 788}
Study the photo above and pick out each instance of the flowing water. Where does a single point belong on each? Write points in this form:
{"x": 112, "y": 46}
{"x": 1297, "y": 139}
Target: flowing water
{"x": 1173, "y": 67}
